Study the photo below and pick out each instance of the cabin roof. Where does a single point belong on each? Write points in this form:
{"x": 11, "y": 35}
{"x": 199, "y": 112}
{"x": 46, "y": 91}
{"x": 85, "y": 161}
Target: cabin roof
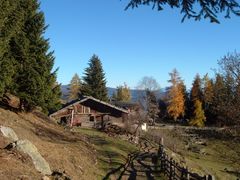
{"x": 87, "y": 98}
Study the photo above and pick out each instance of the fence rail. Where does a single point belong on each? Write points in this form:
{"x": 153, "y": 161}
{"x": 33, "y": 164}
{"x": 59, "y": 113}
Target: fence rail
{"x": 175, "y": 171}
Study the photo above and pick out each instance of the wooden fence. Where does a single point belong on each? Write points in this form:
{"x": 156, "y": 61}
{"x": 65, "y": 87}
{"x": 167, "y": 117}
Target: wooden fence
{"x": 174, "y": 171}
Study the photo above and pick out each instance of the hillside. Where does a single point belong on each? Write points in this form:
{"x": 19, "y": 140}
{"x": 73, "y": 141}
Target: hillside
{"x": 72, "y": 154}
{"x": 66, "y": 152}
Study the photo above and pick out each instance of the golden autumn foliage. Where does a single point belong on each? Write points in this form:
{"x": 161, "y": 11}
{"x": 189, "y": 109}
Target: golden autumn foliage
{"x": 198, "y": 118}
{"x": 176, "y": 101}
{"x": 123, "y": 93}
{"x": 75, "y": 86}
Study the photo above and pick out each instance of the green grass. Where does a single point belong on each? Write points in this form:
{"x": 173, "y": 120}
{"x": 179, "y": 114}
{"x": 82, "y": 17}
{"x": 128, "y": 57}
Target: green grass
{"x": 112, "y": 152}
{"x": 221, "y": 158}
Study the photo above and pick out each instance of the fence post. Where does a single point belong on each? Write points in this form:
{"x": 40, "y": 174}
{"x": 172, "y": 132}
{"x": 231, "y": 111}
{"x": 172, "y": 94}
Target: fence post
{"x": 210, "y": 177}
{"x": 174, "y": 170}
{"x": 170, "y": 169}
{"x": 187, "y": 174}
{"x": 162, "y": 141}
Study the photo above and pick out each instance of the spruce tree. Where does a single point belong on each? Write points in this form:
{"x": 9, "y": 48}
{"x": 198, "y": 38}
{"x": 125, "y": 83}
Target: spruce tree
{"x": 32, "y": 78}
{"x": 75, "y": 86}
{"x": 196, "y": 91}
{"x": 38, "y": 82}
{"x": 218, "y": 100}
{"x": 94, "y": 82}
{"x": 207, "y": 97}
{"x": 207, "y": 91}
{"x": 11, "y": 22}
{"x": 152, "y": 106}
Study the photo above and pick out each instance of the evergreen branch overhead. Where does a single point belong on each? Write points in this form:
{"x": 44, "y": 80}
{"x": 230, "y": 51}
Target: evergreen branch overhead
{"x": 194, "y": 9}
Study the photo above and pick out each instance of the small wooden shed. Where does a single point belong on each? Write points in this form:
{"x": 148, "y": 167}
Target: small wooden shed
{"x": 89, "y": 112}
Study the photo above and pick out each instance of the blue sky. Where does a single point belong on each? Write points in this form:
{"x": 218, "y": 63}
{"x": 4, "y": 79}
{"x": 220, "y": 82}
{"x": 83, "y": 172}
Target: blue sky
{"x": 134, "y": 43}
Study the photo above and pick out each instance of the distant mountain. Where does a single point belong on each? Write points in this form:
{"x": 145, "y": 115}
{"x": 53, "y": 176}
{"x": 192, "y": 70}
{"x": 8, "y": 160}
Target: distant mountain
{"x": 65, "y": 91}
{"x": 135, "y": 93}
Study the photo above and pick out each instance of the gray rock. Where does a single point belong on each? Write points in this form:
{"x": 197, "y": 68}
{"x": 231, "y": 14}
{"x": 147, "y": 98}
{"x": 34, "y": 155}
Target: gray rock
{"x": 9, "y": 133}
{"x": 39, "y": 162}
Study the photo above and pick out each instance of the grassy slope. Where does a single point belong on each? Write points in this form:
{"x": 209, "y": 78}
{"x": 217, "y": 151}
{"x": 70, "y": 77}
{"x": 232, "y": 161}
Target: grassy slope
{"x": 111, "y": 152}
{"x": 221, "y": 158}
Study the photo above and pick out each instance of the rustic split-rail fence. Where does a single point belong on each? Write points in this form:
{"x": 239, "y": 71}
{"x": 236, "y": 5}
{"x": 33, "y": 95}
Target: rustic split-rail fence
{"x": 173, "y": 170}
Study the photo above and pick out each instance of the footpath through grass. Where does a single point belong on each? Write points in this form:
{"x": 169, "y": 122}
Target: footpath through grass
{"x": 112, "y": 152}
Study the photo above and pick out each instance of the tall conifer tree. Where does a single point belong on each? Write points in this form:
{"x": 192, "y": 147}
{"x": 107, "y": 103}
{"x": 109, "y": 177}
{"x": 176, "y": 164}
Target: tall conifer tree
{"x": 32, "y": 77}
{"x": 11, "y": 22}
{"x": 152, "y": 106}
{"x": 94, "y": 82}
{"x": 196, "y": 91}
{"x": 198, "y": 118}
{"x": 176, "y": 101}
{"x": 75, "y": 86}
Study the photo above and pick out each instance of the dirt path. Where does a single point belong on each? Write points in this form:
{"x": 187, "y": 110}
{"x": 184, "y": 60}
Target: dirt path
{"x": 139, "y": 165}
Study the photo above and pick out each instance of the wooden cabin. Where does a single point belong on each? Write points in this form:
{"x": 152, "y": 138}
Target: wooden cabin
{"x": 89, "y": 112}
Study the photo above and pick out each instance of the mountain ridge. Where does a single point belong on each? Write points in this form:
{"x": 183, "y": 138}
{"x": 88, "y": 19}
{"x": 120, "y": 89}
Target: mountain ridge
{"x": 136, "y": 94}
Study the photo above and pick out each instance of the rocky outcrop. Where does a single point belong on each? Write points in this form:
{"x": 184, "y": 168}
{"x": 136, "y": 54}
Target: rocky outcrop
{"x": 24, "y": 146}
{"x": 7, "y": 137}
{"x": 11, "y": 101}
{"x": 39, "y": 162}
{"x": 9, "y": 133}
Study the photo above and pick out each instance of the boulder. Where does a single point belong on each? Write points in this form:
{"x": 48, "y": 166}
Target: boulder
{"x": 9, "y": 140}
{"x": 39, "y": 162}
{"x": 9, "y": 133}
{"x": 4, "y": 142}
{"x": 11, "y": 101}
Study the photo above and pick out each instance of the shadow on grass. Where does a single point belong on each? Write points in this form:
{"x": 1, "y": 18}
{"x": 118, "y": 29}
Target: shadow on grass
{"x": 98, "y": 141}
{"x": 234, "y": 173}
{"x": 135, "y": 166}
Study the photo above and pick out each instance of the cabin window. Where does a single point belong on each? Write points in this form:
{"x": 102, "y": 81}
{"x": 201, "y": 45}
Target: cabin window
{"x": 63, "y": 121}
{"x": 92, "y": 118}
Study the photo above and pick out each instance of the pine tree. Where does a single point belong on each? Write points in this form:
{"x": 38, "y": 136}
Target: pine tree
{"x": 11, "y": 22}
{"x": 152, "y": 106}
{"x": 32, "y": 78}
{"x": 207, "y": 91}
{"x": 35, "y": 63}
{"x": 196, "y": 91}
{"x": 123, "y": 93}
{"x": 207, "y": 97}
{"x": 198, "y": 118}
{"x": 218, "y": 100}
{"x": 75, "y": 86}
{"x": 228, "y": 111}
{"x": 176, "y": 101}
{"x": 94, "y": 82}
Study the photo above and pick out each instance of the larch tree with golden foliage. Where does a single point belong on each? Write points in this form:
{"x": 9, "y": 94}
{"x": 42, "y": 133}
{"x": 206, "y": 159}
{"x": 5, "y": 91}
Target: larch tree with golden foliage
{"x": 176, "y": 101}
{"x": 123, "y": 93}
{"x": 74, "y": 88}
{"x": 198, "y": 118}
